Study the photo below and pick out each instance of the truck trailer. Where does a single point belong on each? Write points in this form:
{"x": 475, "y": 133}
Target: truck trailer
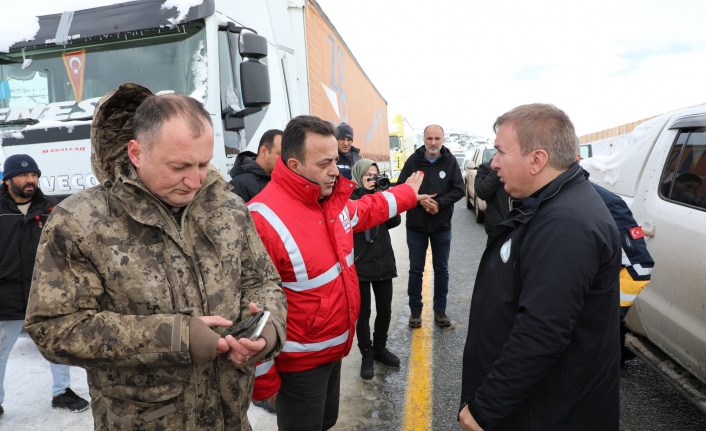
{"x": 255, "y": 64}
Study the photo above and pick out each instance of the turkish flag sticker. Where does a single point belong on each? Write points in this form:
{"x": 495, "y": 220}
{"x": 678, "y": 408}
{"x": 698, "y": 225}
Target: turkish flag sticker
{"x": 637, "y": 232}
{"x": 75, "y": 65}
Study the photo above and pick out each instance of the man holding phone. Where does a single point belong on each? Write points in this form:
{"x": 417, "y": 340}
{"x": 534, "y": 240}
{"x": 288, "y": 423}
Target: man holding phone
{"x": 136, "y": 279}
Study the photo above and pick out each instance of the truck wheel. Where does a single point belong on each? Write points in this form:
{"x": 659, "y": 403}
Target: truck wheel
{"x": 480, "y": 217}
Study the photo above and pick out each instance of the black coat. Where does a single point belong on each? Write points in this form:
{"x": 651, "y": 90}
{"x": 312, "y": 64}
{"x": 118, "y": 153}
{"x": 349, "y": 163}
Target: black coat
{"x": 19, "y": 239}
{"x": 542, "y": 351}
{"x": 441, "y": 177}
{"x": 374, "y": 257}
{"x": 248, "y": 177}
{"x": 489, "y": 188}
{"x": 346, "y": 161}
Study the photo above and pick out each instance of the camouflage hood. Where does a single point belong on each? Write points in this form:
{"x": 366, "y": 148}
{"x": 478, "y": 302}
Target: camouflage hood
{"x": 112, "y": 130}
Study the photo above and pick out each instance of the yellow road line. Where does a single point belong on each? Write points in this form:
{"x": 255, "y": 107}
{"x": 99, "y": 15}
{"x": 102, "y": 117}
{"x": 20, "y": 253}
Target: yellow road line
{"x": 417, "y": 414}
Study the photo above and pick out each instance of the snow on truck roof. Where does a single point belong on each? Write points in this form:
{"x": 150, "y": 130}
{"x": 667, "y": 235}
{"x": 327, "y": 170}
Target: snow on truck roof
{"x": 24, "y": 23}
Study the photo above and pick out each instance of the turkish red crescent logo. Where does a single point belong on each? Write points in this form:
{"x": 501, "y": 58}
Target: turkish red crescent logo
{"x": 75, "y": 65}
{"x": 637, "y": 232}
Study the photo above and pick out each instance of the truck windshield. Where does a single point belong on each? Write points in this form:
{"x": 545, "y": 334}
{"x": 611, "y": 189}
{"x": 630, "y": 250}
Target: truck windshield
{"x": 64, "y": 82}
{"x": 394, "y": 143}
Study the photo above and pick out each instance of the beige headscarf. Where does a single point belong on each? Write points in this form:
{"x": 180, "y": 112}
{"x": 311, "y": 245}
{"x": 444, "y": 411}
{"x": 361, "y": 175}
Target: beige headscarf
{"x": 360, "y": 168}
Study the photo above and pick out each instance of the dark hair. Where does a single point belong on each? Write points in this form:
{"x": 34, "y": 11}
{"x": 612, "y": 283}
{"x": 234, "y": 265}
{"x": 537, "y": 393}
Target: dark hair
{"x": 688, "y": 176}
{"x": 268, "y": 139}
{"x": 294, "y": 136}
{"x": 543, "y": 126}
{"x": 155, "y": 110}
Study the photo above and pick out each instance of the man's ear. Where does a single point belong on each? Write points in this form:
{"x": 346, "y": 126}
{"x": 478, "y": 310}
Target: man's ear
{"x": 294, "y": 164}
{"x": 539, "y": 159}
{"x": 134, "y": 151}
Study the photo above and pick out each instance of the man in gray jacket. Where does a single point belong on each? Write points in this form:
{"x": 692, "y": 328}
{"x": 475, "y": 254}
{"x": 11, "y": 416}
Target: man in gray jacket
{"x": 136, "y": 279}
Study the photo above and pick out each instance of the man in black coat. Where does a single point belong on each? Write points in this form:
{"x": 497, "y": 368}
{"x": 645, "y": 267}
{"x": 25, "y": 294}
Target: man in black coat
{"x": 492, "y": 191}
{"x": 542, "y": 351}
{"x": 348, "y": 155}
{"x": 430, "y": 221}
{"x": 251, "y": 172}
{"x": 23, "y": 212}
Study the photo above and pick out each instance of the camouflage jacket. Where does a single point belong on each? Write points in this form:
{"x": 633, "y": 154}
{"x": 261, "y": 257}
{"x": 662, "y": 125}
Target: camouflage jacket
{"x": 117, "y": 280}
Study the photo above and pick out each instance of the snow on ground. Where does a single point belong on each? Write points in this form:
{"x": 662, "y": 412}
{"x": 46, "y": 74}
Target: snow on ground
{"x": 28, "y": 396}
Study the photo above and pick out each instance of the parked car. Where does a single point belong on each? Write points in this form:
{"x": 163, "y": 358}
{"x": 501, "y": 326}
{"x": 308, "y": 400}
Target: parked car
{"x": 482, "y": 153}
{"x": 461, "y": 159}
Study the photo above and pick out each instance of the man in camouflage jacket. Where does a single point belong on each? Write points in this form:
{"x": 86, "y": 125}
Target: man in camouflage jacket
{"x": 135, "y": 278}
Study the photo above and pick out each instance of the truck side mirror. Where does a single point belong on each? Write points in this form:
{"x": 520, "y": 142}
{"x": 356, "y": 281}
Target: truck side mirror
{"x": 254, "y": 75}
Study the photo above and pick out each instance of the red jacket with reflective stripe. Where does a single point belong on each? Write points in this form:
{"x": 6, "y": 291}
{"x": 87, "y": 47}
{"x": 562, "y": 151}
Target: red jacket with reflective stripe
{"x": 311, "y": 245}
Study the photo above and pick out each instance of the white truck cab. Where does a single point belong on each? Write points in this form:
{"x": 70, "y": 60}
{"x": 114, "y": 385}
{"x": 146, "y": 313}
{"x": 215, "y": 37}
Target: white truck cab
{"x": 661, "y": 173}
{"x": 49, "y": 85}
{"x": 254, "y": 64}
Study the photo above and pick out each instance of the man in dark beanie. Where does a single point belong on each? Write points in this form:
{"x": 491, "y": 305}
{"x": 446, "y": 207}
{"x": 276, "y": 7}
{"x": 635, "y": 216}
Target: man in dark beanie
{"x": 347, "y": 153}
{"x": 23, "y": 212}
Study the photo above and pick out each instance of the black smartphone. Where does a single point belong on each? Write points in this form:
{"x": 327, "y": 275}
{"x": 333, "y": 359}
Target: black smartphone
{"x": 249, "y": 327}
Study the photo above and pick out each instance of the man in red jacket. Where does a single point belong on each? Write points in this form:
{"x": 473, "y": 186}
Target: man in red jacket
{"x": 306, "y": 221}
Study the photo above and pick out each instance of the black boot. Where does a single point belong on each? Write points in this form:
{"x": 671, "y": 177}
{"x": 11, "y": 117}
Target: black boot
{"x": 367, "y": 371}
{"x": 383, "y": 355}
{"x": 386, "y": 357}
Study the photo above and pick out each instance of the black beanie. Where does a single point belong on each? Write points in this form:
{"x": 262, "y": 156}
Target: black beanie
{"x": 344, "y": 131}
{"x": 18, "y": 164}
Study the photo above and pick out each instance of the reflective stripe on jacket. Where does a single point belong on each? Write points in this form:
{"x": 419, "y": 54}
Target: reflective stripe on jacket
{"x": 636, "y": 260}
{"x": 311, "y": 245}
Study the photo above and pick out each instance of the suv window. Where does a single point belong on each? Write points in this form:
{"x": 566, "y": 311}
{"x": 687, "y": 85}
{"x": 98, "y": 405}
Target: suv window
{"x": 489, "y": 154}
{"x": 685, "y": 169}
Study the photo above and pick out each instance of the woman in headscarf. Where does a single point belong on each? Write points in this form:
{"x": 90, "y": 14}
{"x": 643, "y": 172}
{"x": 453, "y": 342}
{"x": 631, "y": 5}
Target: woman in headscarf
{"x": 375, "y": 263}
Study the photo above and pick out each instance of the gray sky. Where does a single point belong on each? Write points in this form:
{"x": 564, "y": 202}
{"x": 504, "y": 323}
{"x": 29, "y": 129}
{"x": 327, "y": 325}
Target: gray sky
{"x": 461, "y": 63}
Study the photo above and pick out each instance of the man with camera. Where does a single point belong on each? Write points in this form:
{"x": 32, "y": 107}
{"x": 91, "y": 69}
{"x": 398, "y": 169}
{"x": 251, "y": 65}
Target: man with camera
{"x": 430, "y": 221}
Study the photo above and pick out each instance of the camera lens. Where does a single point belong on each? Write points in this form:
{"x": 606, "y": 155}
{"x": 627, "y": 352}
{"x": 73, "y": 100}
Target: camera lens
{"x": 383, "y": 183}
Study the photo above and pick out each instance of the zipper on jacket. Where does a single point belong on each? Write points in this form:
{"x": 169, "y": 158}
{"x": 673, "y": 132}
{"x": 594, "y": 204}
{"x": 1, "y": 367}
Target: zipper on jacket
{"x": 170, "y": 279}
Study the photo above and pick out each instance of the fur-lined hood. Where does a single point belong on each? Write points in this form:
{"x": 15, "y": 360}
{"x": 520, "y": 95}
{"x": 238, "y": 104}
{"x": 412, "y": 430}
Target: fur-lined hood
{"x": 111, "y": 131}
